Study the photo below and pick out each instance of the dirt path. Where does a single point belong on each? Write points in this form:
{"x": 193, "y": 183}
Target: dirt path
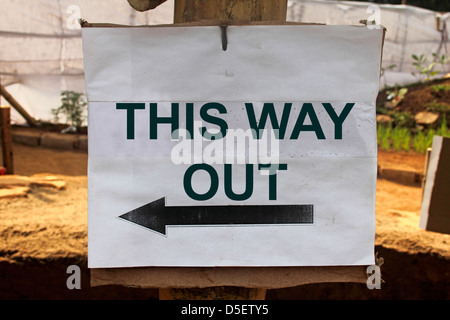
{"x": 48, "y": 231}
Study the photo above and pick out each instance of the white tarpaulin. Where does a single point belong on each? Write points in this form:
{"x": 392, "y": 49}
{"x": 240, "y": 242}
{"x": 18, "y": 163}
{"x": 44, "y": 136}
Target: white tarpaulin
{"x": 159, "y": 199}
{"x": 41, "y": 51}
{"x": 410, "y": 30}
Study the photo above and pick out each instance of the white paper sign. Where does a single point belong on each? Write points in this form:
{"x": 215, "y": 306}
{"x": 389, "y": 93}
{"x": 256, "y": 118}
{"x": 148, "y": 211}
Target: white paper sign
{"x": 263, "y": 154}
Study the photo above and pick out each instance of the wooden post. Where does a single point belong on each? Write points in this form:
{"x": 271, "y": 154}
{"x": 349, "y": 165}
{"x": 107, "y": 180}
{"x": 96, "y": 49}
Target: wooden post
{"x": 5, "y": 127}
{"x": 223, "y": 10}
{"x": 425, "y": 169}
{"x": 238, "y": 10}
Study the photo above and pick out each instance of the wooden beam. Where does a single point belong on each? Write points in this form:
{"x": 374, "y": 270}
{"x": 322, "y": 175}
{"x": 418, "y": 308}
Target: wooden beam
{"x": 16, "y": 105}
{"x": 6, "y": 138}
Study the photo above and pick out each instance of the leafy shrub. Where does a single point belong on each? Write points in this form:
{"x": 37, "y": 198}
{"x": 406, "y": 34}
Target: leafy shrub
{"x": 72, "y": 107}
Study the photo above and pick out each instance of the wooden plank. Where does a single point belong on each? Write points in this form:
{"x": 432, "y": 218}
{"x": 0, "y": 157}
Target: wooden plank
{"x": 14, "y": 192}
{"x": 207, "y": 277}
{"x": 8, "y": 181}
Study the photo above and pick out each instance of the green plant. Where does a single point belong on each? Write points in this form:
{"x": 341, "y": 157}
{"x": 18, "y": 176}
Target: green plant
{"x": 426, "y": 69}
{"x": 72, "y": 106}
{"x": 429, "y": 138}
{"x": 443, "y": 130}
{"x": 440, "y": 87}
{"x": 442, "y": 60}
{"x": 384, "y": 136}
{"x": 438, "y": 107}
{"x": 423, "y": 140}
{"x": 398, "y": 138}
{"x": 403, "y": 119}
{"x": 399, "y": 118}
{"x": 401, "y": 138}
{"x": 419, "y": 141}
{"x": 406, "y": 143}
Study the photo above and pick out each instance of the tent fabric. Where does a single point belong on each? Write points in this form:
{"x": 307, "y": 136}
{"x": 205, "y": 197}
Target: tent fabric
{"x": 41, "y": 49}
{"x": 409, "y": 30}
{"x": 43, "y": 37}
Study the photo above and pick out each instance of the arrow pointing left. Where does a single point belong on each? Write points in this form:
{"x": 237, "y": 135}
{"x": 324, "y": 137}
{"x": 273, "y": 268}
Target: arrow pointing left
{"x": 157, "y": 216}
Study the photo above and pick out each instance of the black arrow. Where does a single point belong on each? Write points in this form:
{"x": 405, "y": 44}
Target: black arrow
{"x": 156, "y": 216}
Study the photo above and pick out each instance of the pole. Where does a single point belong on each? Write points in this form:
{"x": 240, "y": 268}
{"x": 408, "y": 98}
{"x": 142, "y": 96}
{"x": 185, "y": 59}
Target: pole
{"x": 16, "y": 105}
{"x": 192, "y": 11}
{"x": 5, "y": 127}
